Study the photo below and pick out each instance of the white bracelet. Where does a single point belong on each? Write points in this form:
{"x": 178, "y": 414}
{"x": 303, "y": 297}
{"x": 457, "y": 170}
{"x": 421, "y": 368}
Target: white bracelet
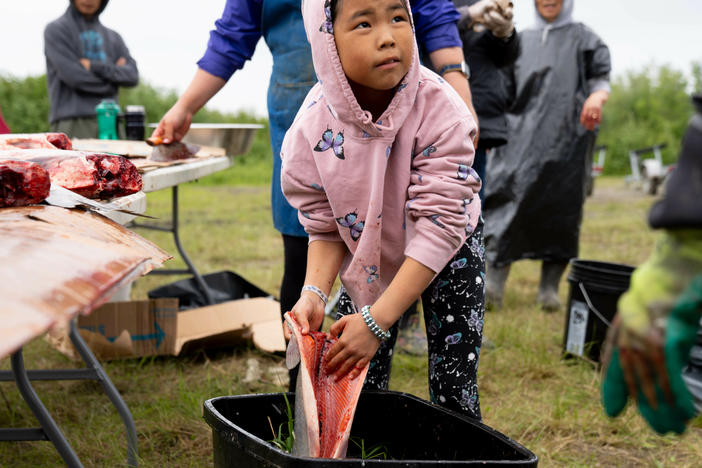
{"x": 317, "y": 291}
{"x": 379, "y": 333}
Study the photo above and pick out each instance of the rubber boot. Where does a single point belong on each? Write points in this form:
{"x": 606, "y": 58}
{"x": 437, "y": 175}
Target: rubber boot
{"x": 495, "y": 280}
{"x": 548, "y": 286}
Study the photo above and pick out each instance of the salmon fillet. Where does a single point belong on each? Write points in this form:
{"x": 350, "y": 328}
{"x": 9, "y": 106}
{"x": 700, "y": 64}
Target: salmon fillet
{"x": 324, "y": 408}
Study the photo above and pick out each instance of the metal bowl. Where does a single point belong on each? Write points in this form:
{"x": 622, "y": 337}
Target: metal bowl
{"x": 234, "y": 138}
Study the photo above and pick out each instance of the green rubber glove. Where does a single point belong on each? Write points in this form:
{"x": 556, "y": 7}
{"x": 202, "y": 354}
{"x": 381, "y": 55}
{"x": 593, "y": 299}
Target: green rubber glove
{"x": 650, "y": 339}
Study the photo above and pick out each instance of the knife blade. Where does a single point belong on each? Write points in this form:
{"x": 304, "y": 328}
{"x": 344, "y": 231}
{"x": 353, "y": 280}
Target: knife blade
{"x": 173, "y": 151}
{"x": 59, "y": 196}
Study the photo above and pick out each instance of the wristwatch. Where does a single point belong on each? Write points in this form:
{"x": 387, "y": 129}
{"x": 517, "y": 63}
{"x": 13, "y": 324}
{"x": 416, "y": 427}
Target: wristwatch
{"x": 459, "y": 67}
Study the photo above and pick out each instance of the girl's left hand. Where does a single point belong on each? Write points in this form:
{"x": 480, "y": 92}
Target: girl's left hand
{"x": 355, "y": 348}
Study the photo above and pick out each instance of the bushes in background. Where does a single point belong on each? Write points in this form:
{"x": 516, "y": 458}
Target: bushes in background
{"x": 646, "y": 107}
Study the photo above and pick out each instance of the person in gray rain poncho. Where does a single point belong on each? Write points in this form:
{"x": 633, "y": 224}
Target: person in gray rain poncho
{"x": 534, "y": 201}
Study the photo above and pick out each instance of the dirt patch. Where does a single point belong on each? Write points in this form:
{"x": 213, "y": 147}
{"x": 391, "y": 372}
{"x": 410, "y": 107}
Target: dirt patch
{"x": 616, "y": 190}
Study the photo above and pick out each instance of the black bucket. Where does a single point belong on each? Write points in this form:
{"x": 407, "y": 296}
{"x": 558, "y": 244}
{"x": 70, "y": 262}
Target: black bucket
{"x": 413, "y": 433}
{"x": 595, "y": 288}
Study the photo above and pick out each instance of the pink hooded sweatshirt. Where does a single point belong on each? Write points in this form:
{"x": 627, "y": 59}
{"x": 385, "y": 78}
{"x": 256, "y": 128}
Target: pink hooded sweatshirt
{"x": 401, "y": 186}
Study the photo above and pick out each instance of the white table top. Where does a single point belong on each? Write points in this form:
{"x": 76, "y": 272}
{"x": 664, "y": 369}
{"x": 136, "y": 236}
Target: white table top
{"x": 171, "y": 176}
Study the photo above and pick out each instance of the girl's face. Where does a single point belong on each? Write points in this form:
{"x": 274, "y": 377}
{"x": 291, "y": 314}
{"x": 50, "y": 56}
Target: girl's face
{"x": 374, "y": 39}
{"x": 549, "y": 9}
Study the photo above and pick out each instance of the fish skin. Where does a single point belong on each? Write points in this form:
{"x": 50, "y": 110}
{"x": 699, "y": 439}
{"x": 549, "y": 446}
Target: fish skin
{"x": 327, "y": 406}
{"x": 307, "y": 435}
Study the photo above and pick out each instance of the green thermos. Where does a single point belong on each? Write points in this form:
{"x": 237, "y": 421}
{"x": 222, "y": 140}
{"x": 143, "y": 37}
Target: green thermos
{"x": 107, "y": 112}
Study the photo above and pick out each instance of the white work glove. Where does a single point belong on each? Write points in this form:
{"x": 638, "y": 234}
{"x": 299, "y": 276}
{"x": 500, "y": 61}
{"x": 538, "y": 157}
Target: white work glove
{"x": 500, "y": 23}
{"x": 474, "y": 13}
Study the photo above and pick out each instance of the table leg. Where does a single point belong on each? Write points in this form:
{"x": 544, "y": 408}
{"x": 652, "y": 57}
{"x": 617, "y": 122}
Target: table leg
{"x": 49, "y": 430}
{"x": 110, "y": 390}
{"x": 173, "y": 228}
{"x": 48, "y": 425}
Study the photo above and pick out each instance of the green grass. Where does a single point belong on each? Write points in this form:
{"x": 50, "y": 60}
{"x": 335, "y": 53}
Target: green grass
{"x": 527, "y": 391}
{"x": 284, "y": 438}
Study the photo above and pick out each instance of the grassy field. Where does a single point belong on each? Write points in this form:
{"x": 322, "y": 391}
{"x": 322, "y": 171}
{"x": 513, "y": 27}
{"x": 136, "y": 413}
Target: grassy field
{"x": 527, "y": 391}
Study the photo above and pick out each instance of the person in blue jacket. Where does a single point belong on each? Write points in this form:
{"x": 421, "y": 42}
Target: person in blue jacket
{"x": 279, "y": 22}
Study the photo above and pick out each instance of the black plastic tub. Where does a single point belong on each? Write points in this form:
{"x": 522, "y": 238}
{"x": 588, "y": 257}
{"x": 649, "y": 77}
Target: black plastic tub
{"x": 413, "y": 433}
{"x": 222, "y": 285}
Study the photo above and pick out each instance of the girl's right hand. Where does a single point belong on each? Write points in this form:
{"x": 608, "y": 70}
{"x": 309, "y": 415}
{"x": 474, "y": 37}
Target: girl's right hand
{"x": 309, "y": 313}
{"x": 174, "y": 124}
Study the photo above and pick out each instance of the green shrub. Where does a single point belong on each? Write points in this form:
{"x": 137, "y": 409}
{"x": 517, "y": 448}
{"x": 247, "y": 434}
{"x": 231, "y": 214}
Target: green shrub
{"x": 25, "y": 105}
{"x": 646, "y": 108}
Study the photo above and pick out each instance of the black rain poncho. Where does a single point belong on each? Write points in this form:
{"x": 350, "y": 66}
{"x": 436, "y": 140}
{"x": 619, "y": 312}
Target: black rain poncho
{"x": 534, "y": 200}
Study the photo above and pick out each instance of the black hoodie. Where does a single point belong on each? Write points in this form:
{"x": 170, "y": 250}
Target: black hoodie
{"x": 73, "y": 90}
{"x": 486, "y": 56}
{"x": 682, "y": 205}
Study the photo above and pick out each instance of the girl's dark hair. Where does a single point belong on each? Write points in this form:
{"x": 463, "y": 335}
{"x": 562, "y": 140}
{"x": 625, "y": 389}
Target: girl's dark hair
{"x": 333, "y": 5}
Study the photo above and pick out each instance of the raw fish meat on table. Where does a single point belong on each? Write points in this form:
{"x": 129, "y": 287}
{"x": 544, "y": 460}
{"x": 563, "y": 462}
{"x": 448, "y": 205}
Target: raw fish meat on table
{"x": 51, "y": 140}
{"x": 324, "y": 408}
{"x": 92, "y": 175}
{"x": 22, "y": 183}
{"x": 59, "y": 263}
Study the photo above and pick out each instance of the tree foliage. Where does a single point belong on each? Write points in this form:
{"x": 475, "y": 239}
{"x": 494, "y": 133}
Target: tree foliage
{"x": 697, "y": 77}
{"x": 646, "y": 107}
{"x": 25, "y": 106}
{"x": 25, "y": 103}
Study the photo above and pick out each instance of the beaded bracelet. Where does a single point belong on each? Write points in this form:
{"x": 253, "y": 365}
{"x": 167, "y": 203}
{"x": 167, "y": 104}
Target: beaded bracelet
{"x": 379, "y": 333}
{"x": 317, "y": 291}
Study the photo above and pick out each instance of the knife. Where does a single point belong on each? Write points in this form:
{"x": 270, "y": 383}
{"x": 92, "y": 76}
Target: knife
{"x": 170, "y": 151}
{"x": 59, "y": 196}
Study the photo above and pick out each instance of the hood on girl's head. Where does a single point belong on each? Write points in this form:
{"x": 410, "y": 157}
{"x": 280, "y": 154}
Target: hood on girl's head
{"x": 317, "y": 16}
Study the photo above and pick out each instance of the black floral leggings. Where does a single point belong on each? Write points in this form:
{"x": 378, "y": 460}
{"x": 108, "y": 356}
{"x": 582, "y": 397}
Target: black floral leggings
{"x": 454, "y": 307}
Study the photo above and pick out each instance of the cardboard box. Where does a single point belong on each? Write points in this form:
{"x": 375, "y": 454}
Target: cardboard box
{"x": 157, "y": 327}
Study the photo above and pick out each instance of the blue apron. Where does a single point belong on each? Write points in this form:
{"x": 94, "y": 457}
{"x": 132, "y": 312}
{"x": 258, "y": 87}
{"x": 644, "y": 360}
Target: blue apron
{"x": 292, "y": 78}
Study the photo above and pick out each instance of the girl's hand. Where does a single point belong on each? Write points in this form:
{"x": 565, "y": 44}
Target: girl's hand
{"x": 592, "y": 109}
{"x": 354, "y": 349}
{"x": 309, "y": 313}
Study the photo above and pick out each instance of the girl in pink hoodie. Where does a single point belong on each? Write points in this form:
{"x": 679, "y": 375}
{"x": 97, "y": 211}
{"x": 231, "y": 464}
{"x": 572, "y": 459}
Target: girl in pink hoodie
{"x": 378, "y": 163}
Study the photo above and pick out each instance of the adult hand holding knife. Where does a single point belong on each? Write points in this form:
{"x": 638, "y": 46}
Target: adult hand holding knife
{"x": 170, "y": 151}
{"x": 176, "y": 122}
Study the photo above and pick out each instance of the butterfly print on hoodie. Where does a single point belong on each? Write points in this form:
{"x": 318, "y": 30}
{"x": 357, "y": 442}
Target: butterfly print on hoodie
{"x": 350, "y": 221}
{"x": 330, "y": 141}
